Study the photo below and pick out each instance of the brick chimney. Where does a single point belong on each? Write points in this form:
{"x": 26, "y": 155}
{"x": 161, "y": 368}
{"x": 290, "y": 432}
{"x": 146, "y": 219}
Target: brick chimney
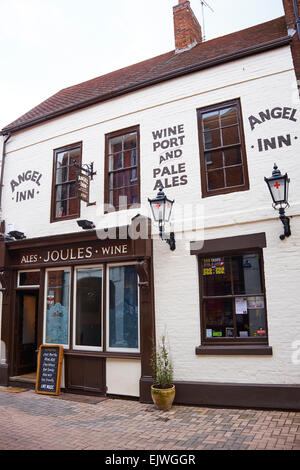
{"x": 291, "y": 15}
{"x": 187, "y": 29}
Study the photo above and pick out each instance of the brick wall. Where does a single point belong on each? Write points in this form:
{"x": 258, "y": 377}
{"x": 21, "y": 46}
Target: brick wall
{"x": 291, "y": 24}
{"x": 187, "y": 30}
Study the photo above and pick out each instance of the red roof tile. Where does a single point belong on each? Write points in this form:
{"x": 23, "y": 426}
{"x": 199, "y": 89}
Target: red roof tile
{"x": 166, "y": 66}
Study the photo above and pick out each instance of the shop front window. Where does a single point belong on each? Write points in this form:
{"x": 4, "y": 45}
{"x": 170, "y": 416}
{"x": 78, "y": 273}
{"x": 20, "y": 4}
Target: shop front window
{"x": 57, "y": 307}
{"x": 123, "y": 311}
{"x": 233, "y": 298}
{"x": 88, "y": 320}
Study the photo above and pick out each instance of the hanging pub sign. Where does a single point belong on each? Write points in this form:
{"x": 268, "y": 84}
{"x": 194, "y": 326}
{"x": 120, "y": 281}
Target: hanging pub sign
{"x": 49, "y": 369}
{"x": 213, "y": 266}
{"x": 83, "y": 187}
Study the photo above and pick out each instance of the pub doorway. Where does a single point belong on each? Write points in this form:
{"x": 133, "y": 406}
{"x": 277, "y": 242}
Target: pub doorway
{"x": 26, "y": 328}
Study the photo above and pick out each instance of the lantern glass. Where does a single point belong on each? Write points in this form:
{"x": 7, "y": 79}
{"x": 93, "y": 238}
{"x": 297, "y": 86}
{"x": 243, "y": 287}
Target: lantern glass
{"x": 278, "y": 186}
{"x": 161, "y": 207}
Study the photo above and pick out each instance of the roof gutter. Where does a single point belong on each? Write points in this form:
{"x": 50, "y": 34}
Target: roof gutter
{"x": 297, "y": 17}
{"x": 283, "y": 41}
{"x": 2, "y": 170}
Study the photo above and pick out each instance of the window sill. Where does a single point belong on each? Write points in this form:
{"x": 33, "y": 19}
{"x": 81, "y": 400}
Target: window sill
{"x": 235, "y": 350}
{"x": 112, "y": 355}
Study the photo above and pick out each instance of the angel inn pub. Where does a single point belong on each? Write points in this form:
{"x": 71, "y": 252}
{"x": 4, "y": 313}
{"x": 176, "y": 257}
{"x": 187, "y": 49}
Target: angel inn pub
{"x": 100, "y": 187}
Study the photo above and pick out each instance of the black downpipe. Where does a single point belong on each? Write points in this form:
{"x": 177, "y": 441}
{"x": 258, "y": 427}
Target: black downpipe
{"x": 297, "y": 17}
{"x": 2, "y": 171}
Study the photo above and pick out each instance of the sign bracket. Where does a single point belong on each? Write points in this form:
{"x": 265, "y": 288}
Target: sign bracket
{"x": 89, "y": 170}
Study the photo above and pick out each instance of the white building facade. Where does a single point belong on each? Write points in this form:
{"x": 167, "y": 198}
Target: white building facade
{"x": 226, "y": 298}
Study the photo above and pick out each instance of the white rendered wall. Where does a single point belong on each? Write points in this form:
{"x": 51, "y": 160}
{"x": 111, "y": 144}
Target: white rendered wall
{"x": 252, "y": 79}
{"x": 123, "y": 377}
{"x": 260, "y": 82}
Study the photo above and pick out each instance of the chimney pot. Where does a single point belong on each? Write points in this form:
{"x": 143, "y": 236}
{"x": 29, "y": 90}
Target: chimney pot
{"x": 187, "y": 30}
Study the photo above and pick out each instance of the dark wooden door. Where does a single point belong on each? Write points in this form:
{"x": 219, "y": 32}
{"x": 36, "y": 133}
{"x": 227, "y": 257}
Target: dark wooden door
{"x": 26, "y": 332}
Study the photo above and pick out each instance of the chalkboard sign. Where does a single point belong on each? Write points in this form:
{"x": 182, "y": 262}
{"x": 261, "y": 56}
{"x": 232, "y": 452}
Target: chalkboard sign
{"x": 49, "y": 369}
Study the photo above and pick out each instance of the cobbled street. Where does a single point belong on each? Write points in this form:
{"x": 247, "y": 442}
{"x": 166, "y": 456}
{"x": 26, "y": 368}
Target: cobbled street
{"x": 70, "y": 422}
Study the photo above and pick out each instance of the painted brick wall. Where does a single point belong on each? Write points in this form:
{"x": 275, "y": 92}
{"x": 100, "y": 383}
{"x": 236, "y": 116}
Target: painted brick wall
{"x": 261, "y": 82}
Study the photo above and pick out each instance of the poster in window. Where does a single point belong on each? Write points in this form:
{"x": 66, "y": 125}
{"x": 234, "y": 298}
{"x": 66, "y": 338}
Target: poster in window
{"x": 213, "y": 266}
{"x": 256, "y": 303}
{"x": 241, "y": 306}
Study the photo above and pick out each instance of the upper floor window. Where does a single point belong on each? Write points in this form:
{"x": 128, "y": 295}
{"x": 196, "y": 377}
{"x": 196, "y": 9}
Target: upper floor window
{"x": 122, "y": 189}
{"x": 65, "y": 204}
{"x": 222, "y": 149}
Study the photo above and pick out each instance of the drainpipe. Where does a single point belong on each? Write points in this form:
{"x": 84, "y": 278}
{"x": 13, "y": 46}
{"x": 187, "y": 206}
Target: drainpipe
{"x": 297, "y": 17}
{"x": 2, "y": 171}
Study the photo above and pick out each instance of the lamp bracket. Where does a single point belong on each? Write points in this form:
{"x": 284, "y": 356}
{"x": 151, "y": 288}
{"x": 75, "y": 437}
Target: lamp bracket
{"x": 170, "y": 240}
{"x": 286, "y": 224}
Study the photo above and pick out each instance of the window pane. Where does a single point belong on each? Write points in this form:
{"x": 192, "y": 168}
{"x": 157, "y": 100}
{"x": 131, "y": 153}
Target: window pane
{"x": 211, "y": 120}
{"x": 123, "y": 307}
{"x": 216, "y": 276}
{"x": 29, "y": 319}
{"x": 74, "y": 154}
{"x": 61, "y": 159}
{"x": 229, "y": 116}
{"x": 212, "y": 139}
{"x": 252, "y": 323}
{"x": 61, "y": 175}
{"x": 61, "y": 209}
{"x": 62, "y": 192}
{"x": 115, "y": 144}
{"x": 233, "y": 156}
{"x": 246, "y": 274}
{"x": 130, "y": 141}
{"x": 215, "y": 180}
{"x": 29, "y": 278}
{"x": 219, "y": 318}
{"x": 133, "y": 158}
{"x": 88, "y": 307}
{"x": 234, "y": 176}
{"x": 116, "y": 162}
{"x": 73, "y": 208}
{"x": 57, "y": 307}
{"x": 214, "y": 160}
{"x": 230, "y": 135}
{"x": 72, "y": 189}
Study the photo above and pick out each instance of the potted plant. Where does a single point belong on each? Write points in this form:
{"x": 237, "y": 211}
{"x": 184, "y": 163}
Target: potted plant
{"x": 163, "y": 389}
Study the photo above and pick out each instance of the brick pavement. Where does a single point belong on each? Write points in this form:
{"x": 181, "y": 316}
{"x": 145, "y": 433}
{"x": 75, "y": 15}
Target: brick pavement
{"x": 31, "y": 421}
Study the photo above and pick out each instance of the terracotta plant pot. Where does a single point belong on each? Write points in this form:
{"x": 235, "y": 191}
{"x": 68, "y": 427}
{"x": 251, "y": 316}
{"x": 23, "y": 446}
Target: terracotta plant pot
{"x": 163, "y": 398}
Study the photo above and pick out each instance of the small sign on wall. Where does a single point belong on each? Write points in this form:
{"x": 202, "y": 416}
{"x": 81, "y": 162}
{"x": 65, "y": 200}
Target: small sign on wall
{"x": 83, "y": 187}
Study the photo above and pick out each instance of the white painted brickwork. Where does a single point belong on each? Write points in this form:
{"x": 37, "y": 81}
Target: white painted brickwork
{"x": 261, "y": 82}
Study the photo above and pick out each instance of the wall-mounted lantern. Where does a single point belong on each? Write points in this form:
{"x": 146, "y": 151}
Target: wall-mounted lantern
{"x": 161, "y": 208}
{"x": 278, "y": 185}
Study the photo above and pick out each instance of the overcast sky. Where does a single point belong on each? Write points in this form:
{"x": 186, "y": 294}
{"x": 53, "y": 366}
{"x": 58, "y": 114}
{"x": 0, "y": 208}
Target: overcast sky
{"x": 47, "y": 45}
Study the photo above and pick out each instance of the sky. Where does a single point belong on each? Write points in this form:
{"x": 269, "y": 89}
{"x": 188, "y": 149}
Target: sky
{"x": 48, "y": 45}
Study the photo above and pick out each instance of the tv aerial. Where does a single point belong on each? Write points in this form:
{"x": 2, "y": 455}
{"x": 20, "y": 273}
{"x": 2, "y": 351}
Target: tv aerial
{"x": 203, "y": 5}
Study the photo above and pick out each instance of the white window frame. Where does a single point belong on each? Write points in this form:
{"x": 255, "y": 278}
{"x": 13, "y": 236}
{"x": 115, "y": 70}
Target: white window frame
{"x": 120, "y": 350}
{"x": 87, "y": 348}
{"x": 65, "y": 346}
{"x": 27, "y": 271}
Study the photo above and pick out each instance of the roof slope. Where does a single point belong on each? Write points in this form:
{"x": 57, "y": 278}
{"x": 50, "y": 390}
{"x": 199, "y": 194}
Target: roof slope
{"x": 166, "y": 66}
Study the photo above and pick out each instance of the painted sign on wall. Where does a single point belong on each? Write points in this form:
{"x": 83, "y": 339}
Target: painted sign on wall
{"x": 22, "y": 194}
{"x": 274, "y": 142}
{"x": 168, "y": 144}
